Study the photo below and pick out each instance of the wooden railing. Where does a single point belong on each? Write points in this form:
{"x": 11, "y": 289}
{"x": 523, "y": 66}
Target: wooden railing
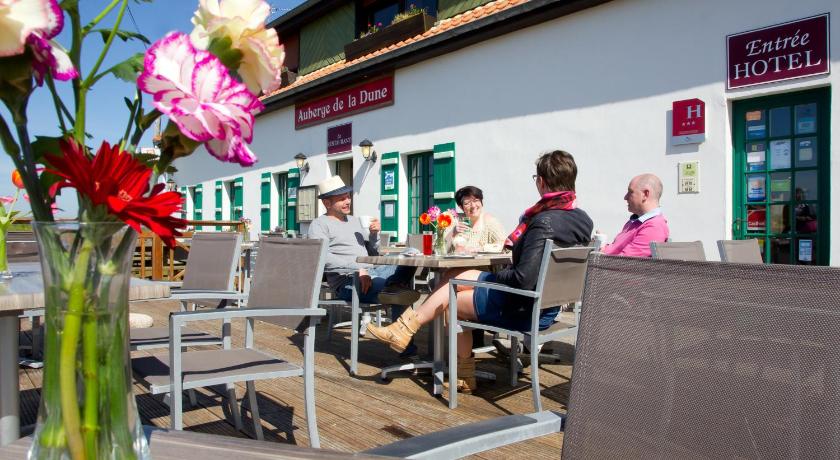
{"x": 154, "y": 261}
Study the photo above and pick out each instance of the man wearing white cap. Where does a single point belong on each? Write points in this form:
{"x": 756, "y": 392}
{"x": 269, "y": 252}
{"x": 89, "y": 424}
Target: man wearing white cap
{"x": 348, "y": 239}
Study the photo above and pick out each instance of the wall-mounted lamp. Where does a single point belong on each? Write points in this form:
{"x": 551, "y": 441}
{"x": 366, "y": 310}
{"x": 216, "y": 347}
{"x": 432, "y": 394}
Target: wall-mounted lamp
{"x": 302, "y": 164}
{"x": 171, "y": 186}
{"x": 367, "y": 151}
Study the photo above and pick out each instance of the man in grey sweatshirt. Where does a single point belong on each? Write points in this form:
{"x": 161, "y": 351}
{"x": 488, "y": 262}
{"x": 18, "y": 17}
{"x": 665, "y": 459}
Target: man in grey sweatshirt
{"x": 347, "y": 239}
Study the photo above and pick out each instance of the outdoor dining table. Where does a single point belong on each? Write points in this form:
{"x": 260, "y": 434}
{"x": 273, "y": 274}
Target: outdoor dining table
{"x": 23, "y": 292}
{"x": 437, "y": 265}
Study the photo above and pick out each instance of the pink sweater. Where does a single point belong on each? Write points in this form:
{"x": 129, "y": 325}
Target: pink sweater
{"x": 634, "y": 239}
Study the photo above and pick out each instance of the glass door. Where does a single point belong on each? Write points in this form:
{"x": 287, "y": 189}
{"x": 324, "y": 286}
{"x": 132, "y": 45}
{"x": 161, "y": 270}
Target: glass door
{"x": 420, "y": 188}
{"x": 781, "y": 167}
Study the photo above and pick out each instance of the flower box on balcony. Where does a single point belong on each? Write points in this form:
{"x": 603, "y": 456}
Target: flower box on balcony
{"x": 386, "y": 36}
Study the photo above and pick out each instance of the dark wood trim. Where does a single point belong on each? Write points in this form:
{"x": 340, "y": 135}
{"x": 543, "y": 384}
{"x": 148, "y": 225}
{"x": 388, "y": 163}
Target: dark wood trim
{"x": 386, "y": 36}
{"x": 516, "y": 18}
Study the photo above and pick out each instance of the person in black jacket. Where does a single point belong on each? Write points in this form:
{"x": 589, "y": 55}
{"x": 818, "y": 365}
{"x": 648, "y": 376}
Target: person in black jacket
{"x": 555, "y": 216}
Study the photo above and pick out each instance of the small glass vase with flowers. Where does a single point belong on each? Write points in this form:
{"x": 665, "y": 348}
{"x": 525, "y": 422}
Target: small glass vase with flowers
{"x": 440, "y": 221}
{"x": 208, "y": 85}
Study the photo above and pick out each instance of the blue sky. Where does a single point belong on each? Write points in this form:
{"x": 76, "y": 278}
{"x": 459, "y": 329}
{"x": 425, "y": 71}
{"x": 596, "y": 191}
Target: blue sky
{"x": 107, "y": 114}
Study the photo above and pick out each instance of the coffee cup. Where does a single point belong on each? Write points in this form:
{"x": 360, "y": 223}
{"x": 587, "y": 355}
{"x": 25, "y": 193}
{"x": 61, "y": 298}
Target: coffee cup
{"x": 366, "y": 220}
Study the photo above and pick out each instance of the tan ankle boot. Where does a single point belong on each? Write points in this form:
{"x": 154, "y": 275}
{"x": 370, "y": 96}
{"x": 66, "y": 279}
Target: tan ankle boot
{"x": 466, "y": 376}
{"x": 399, "y": 333}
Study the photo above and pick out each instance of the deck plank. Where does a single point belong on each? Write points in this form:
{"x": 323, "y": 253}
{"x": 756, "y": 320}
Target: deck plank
{"x": 354, "y": 413}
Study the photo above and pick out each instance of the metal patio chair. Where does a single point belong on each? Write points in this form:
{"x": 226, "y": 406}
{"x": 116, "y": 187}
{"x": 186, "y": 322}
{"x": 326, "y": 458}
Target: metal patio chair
{"x": 691, "y": 250}
{"x": 740, "y": 251}
{"x": 560, "y": 282}
{"x": 208, "y": 281}
{"x": 687, "y": 360}
{"x": 284, "y": 292}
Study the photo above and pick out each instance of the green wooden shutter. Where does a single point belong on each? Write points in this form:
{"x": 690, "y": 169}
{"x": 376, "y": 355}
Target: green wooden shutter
{"x": 198, "y": 204}
{"x": 218, "y": 215}
{"x": 389, "y": 191}
{"x": 444, "y": 175}
{"x": 265, "y": 202}
{"x": 293, "y": 182}
{"x": 322, "y": 41}
{"x": 236, "y": 203}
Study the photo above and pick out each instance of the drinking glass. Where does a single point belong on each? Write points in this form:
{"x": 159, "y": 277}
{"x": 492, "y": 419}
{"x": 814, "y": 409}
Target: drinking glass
{"x": 427, "y": 243}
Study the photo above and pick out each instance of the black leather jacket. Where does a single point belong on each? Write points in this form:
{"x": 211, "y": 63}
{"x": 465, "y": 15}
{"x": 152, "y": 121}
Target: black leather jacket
{"x": 566, "y": 228}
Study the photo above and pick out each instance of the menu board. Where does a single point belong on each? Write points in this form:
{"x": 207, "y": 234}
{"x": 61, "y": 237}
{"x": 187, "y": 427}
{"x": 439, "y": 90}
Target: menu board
{"x": 307, "y": 203}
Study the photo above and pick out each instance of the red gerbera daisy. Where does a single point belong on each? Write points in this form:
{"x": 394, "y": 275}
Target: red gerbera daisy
{"x": 118, "y": 181}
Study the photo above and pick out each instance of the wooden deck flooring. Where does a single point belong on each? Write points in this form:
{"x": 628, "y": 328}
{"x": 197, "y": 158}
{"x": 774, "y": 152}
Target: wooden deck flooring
{"x": 354, "y": 414}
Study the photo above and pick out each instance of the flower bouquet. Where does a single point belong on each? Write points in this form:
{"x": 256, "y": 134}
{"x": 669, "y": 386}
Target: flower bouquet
{"x": 8, "y": 216}
{"x": 440, "y": 221}
{"x": 207, "y": 84}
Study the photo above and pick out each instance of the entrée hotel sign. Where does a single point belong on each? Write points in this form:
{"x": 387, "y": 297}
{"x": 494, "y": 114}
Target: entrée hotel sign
{"x": 371, "y": 95}
{"x": 791, "y": 50}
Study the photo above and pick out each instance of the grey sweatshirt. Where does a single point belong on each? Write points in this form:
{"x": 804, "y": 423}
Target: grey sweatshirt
{"x": 346, "y": 240}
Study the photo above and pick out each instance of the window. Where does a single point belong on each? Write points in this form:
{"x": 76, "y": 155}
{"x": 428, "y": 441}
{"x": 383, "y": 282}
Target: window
{"x": 383, "y": 12}
{"x": 307, "y": 203}
{"x": 234, "y": 189}
{"x": 344, "y": 170}
{"x": 420, "y": 188}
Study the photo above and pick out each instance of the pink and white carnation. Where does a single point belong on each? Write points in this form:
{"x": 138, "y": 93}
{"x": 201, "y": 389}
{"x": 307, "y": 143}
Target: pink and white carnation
{"x": 194, "y": 89}
{"x": 433, "y": 213}
{"x": 243, "y": 21}
{"x": 35, "y": 23}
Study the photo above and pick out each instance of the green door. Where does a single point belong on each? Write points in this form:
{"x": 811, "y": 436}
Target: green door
{"x": 781, "y": 175}
{"x": 420, "y": 188}
{"x": 282, "y": 201}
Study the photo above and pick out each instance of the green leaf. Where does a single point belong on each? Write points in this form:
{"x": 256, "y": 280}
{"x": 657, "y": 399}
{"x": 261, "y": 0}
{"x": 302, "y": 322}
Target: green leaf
{"x": 125, "y": 35}
{"x": 129, "y": 103}
{"x": 44, "y": 145}
{"x": 129, "y": 69}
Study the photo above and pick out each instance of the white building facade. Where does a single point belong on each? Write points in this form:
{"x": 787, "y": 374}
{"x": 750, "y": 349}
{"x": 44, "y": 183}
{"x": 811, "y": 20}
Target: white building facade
{"x": 600, "y": 83}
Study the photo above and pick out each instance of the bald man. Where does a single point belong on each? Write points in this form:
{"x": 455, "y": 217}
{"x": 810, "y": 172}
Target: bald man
{"x": 647, "y": 222}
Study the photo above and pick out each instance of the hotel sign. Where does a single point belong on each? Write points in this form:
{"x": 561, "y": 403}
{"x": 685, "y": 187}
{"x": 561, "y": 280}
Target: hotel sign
{"x": 688, "y": 122}
{"x": 791, "y": 50}
{"x": 368, "y": 96}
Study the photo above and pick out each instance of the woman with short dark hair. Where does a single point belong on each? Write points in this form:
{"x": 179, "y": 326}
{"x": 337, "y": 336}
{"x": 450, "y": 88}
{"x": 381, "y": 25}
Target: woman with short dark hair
{"x": 555, "y": 216}
{"x": 483, "y": 232}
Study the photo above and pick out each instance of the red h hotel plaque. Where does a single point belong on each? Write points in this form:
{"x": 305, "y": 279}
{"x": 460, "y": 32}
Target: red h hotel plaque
{"x": 688, "y": 122}
{"x": 791, "y": 50}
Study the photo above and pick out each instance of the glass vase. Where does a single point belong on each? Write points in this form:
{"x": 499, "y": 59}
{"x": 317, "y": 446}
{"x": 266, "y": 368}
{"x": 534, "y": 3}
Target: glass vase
{"x": 87, "y": 406}
{"x": 440, "y": 243}
{"x": 5, "y": 273}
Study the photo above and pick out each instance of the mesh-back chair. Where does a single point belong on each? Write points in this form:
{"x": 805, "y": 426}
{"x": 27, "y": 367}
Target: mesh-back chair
{"x": 740, "y": 251}
{"x": 691, "y": 250}
{"x": 414, "y": 240}
{"x": 284, "y": 291}
{"x": 22, "y": 247}
{"x": 560, "y": 282}
{"x": 688, "y": 360}
{"x": 208, "y": 280}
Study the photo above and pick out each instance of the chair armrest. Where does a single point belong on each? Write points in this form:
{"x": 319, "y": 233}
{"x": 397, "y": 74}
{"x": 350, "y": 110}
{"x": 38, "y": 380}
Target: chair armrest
{"x": 494, "y": 286}
{"x": 199, "y": 294}
{"x": 172, "y": 284}
{"x": 183, "y": 317}
{"x": 342, "y": 271}
{"x": 472, "y": 438}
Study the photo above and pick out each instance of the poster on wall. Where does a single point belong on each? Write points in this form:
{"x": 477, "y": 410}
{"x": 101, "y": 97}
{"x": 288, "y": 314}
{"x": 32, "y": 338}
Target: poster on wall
{"x": 756, "y": 189}
{"x": 756, "y": 219}
{"x": 388, "y": 180}
{"x": 780, "y": 154}
{"x": 292, "y": 193}
{"x": 806, "y": 250}
{"x": 756, "y": 127}
{"x": 389, "y": 209}
{"x": 755, "y": 156}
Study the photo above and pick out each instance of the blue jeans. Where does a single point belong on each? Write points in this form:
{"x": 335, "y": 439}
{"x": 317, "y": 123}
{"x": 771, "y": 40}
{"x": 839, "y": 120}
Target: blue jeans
{"x": 380, "y": 276}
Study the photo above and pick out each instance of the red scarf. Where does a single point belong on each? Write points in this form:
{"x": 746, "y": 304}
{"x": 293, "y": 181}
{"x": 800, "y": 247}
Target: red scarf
{"x": 554, "y": 200}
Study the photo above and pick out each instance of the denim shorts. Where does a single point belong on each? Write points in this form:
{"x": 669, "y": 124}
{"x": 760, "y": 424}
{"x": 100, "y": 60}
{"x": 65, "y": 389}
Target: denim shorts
{"x": 510, "y": 311}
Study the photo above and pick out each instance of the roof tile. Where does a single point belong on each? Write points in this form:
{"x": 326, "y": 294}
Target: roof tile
{"x": 441, "y": 26}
